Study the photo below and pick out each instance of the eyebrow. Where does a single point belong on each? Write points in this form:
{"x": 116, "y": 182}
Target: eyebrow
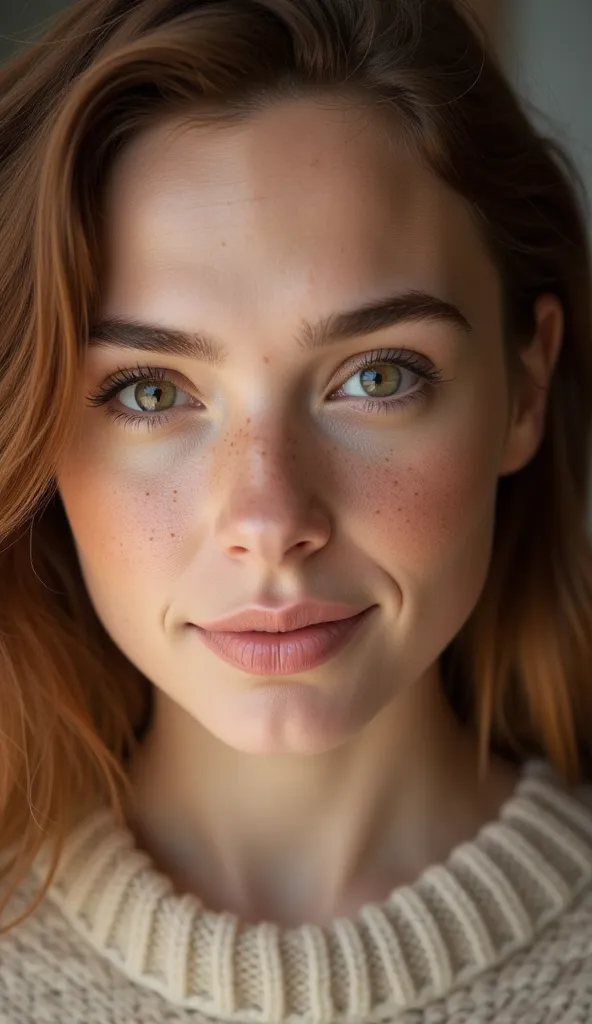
{"x": 405, "y": 307}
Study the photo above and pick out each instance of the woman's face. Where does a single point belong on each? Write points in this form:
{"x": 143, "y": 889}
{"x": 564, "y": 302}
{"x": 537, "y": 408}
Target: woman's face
{"x": 271, "y": 469}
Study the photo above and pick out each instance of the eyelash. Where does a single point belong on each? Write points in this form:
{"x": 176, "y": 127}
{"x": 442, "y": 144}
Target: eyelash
{"x": 123, "y": 378}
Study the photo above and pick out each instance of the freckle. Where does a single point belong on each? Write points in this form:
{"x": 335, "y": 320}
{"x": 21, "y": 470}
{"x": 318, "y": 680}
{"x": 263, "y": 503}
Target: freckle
{"x": 248, "y": 419}
{"x": 151, "y": 538}
{"x": 387, "y": 459}
{"x": 265, "y": 359}
{"x": 147, "y": 493}
{"x": 376, "y": 511}
{"x": 174, "y": 492}
{"x": 172, "y": 534}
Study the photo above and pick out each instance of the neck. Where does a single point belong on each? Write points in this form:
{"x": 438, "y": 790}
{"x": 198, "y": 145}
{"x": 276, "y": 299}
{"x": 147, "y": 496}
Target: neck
{"x": 290, "y": 838}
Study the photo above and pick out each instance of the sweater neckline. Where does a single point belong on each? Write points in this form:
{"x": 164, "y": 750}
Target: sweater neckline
{"x": 490, "y": 898}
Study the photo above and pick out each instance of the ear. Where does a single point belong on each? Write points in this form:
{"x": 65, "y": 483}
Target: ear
{"x": 526, "y": 425}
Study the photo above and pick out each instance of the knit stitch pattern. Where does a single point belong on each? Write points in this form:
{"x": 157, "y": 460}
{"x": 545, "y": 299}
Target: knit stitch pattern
{"x": 501, "y": 932}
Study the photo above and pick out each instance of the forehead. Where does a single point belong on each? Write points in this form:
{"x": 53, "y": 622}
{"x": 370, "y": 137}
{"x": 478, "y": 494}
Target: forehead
{"x": 308, "y": 190}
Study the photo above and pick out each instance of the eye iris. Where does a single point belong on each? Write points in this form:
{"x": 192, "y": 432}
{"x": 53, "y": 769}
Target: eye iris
{"x": 382, "y": 381}
{"x": 149, "y": 396}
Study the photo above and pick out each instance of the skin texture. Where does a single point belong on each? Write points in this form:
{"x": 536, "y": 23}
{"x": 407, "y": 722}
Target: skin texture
{"x": 300, "y": 798}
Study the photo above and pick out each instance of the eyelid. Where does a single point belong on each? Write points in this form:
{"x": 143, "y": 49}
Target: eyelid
{"x": 127, "y": 376}
{"x": 410, "y": 359}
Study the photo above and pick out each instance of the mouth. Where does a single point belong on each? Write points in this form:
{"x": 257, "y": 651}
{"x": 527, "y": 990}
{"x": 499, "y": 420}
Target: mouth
{"x": 278, "y": 652}
{"x": 286, "y": 619}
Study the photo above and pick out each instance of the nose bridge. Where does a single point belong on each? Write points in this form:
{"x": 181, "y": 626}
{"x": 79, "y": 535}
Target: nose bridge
{"x": 270, "y": 506}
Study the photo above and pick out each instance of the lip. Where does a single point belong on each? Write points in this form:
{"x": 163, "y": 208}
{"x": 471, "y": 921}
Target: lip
{"x": 285, "y": 642}
{"x": 282, "y": 620}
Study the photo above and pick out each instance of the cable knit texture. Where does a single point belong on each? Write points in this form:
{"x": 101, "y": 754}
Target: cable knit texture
{"x": 501, "y": 932}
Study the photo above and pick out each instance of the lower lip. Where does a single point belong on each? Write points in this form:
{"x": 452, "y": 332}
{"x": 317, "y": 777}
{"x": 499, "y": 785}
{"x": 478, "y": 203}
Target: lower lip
{"x": 283, "y": 654}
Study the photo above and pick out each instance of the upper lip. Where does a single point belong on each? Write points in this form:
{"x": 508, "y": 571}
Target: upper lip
{"x": 282, "y": 620}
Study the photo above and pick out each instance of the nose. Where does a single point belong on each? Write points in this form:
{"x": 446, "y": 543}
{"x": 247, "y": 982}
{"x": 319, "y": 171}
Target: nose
{"x": 269, "y": 514}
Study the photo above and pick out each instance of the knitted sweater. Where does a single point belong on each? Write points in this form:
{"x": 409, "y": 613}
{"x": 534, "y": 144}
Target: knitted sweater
{"x": 501, "y": 932}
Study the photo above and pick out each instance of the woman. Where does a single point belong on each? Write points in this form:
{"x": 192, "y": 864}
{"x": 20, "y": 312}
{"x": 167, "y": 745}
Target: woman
{"x": 297, "y": 589}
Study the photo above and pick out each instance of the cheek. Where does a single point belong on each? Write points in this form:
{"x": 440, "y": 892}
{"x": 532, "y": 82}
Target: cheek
{"x": 425, "y": 519}
{"x": 130, "y": 528}
{"x": 423, "y": 503}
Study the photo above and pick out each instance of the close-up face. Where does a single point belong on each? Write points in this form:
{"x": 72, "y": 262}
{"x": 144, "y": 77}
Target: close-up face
{"x": 282, "y": 454}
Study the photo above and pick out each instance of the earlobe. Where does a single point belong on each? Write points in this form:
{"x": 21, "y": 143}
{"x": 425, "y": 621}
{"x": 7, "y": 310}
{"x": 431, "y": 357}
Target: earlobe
{"x": 529, "y": 407}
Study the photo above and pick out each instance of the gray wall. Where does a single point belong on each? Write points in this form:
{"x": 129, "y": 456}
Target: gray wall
{"x": 547, "y": 49}
{"x": 20, "y": 18}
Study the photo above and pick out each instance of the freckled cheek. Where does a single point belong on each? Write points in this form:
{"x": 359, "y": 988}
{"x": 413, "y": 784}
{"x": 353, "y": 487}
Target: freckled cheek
{"x": 419, "y": 504}
{"x": 129, "y": 526}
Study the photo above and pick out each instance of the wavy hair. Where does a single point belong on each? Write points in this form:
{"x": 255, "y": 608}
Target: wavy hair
{"x": 72, "y": 707}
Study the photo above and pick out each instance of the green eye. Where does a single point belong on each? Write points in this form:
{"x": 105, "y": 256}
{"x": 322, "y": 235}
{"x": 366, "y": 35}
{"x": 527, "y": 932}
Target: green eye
{"x": 151, "y": 396}
{"x": 378, "y": 381}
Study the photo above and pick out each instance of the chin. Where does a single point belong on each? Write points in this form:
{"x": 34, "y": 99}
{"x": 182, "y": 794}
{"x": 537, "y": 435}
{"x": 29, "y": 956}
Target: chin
{"x": 288, "y": 718}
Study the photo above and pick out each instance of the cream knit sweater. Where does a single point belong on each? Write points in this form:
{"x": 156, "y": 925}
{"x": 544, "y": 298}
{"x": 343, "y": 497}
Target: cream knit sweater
{"x": 502, "y": 932}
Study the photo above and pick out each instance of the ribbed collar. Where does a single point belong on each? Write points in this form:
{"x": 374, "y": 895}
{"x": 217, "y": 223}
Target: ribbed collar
{"x": 459, "y": 918}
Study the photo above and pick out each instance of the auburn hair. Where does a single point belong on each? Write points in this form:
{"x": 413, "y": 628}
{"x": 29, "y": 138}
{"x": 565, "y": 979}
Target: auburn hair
{"x": 72, "y": 707}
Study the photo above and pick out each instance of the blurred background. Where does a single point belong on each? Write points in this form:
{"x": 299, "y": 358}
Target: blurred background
{"x": 545, "y": 46}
